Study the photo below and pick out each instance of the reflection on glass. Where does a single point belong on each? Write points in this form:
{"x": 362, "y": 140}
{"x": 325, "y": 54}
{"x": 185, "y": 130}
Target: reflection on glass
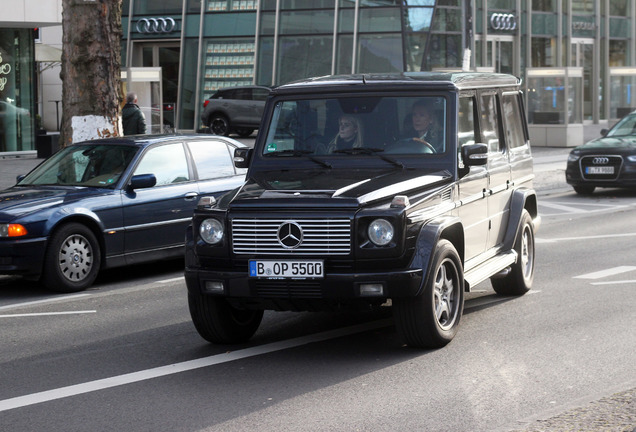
{"x": 419, "y": 19}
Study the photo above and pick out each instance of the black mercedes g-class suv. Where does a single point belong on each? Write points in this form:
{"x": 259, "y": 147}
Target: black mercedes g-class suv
{"x": 367, "y": 190}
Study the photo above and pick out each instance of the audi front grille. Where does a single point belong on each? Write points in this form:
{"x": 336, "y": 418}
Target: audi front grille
{"x": 267, "y": 236}
{"x": 601, "y": 167}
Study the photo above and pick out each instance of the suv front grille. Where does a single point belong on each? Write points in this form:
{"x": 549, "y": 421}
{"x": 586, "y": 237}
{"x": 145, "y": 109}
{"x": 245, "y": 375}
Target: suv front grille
{"x": 607, "y": 167}
{"x": 319, "y": 236}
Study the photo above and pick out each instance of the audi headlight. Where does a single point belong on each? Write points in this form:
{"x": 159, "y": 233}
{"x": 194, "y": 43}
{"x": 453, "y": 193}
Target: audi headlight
{"x": 631, "y": 158}
{"x": 380, "y": 232}
{"x": 211, "y": 231}
{"x": 573, "y": 157}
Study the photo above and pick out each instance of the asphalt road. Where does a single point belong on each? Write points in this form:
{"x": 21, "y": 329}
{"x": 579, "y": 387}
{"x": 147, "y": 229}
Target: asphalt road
{"x": 124, "y": 356}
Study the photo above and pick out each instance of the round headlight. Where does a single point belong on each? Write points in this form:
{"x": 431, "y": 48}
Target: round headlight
{"x": 211, "y": 231}
{"x": 380, "y": 232}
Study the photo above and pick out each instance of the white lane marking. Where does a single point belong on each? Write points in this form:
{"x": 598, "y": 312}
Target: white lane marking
{"x": 614, "y": 282}
{"x": 577, "y": 208}
{"x": 116, "y": 381}
{"x": 37, "y": 302}
{"x": 48, "y": 314}
{"x": 165, "y": 281}
{"x": 91, "y": 386}
{"x": 602, "y": 236}
{"x": 605, "y": 273}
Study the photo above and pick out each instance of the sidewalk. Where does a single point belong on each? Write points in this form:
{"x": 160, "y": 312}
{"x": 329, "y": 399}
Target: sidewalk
{"x": 549, "y": 167}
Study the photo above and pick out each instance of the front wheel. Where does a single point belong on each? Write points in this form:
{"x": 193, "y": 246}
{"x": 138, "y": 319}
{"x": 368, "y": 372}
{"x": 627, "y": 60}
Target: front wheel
{"x": 219, "y": 322}
{"x": 244, "y": 132}
{"x": 220, "y": 125}
{"x": 583, "y": 189}
{"x": 431, "y": 319}
{"x": 72, "y": 259}
{"x": 519, "y": 280}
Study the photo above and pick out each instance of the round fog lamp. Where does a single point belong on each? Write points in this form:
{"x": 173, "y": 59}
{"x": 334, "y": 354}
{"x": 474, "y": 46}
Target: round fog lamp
{"x": 211, "y": 231}
{"x": 380, "y": 232}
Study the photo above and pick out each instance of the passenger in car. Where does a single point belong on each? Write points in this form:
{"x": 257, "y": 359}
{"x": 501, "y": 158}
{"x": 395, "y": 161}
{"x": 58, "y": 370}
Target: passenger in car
{"x": 349, "y": 134}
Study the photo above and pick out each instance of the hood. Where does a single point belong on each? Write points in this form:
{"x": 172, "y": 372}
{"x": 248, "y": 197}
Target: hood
{"x": 619, "y": 143}
{"x": 353, "y": 188}
{"x": 21, "y": 201}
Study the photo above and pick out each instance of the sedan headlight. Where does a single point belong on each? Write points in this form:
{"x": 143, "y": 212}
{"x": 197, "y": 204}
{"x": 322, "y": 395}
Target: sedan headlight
{"x": 12, "y": 230}
{"x": 631, "y": 158}
{"x": 380, "y": 232}
{"x": 211, "y": 231}
{"x": 573, "y": 157}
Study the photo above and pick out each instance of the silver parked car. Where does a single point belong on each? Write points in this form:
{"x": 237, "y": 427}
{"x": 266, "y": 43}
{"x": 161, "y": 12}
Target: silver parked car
{"x": 235, "y": 109}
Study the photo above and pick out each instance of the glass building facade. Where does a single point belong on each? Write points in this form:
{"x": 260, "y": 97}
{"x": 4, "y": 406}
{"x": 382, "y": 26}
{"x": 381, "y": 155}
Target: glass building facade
{"x": 17, "y": 86}
{"x": 576, "y": 57}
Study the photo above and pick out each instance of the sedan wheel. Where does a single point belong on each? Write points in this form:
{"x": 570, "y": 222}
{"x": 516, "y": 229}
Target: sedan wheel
{"x": 72, "y": 259}
{"x": 220, "y": 125}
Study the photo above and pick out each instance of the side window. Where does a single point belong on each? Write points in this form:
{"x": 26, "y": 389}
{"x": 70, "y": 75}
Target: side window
{"x": 167, "y": 162}
{"x": 490, "y": 122}
{"x": 260, "y": 94}
{"x": 212, "y": 159}
{"x": 514, "y": 123}
{"x": 242, "y": 94}
{"x": 466, "y": 121}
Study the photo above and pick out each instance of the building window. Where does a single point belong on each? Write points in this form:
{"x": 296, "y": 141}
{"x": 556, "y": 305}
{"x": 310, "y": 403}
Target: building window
{"x": 17, "y": 107}
{"x": 543, "y": 52}
{"x": 303, "y": 56}
{"x": 544, "y": 5}
{"x": 380, "y": 53}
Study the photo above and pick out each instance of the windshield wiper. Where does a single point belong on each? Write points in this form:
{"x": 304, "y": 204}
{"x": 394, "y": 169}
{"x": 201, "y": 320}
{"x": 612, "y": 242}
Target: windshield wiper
{"x": 371, "y": 151}
{"x": 293, "y": 152}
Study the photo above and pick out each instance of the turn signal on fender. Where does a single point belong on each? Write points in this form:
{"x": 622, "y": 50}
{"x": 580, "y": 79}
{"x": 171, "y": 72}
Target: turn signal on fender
{"x": 12, "y": 230}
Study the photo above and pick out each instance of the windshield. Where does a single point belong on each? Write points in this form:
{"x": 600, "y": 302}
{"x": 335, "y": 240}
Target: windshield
{"x": 358, "y": 126}
{"x": 627, "y": 126}
{"x": 83, "y": 165}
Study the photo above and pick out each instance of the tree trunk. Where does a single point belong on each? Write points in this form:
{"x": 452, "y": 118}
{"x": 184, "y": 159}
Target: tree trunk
{"x": 91, "y": 60}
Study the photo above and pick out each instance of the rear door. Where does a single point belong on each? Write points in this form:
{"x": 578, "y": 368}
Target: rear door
{"x": 213, "y": 164}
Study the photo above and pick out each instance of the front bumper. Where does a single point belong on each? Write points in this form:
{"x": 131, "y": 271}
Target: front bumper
{"x": 22, "y": 256}
{"x": 333, "y": 287}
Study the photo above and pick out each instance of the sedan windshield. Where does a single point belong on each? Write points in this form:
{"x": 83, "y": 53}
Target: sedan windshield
{"x": 627, "y": 126}
{"x": 83, "y": 165}
{"x": 344, "y": 127}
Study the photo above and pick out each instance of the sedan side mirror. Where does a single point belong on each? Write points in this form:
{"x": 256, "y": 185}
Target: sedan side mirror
{"x": 475, "y": 154}
{"x": 242, "y": 157}
{"x": 142, "y": 181}
{"x": 604, "y": 132}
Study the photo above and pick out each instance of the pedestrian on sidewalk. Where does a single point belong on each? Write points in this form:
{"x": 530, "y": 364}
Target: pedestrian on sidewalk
{"x": 133, "y": 120}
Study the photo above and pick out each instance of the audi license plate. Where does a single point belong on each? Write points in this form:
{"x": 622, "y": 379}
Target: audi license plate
{"x": 599, "y": 170}
{"x": 295, "y": 269}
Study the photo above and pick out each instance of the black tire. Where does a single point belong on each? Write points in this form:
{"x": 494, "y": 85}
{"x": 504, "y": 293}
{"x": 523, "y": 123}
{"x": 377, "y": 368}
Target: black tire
{"x": 72, "y": 260}
{"x": 219, "y": 322}
{"x": 431, "y": 319}
{"x": 219, "y": 125}
{"x": 519, "y": 280}
{"x": 584, "y": 190}
{"x": 244, "y": 132}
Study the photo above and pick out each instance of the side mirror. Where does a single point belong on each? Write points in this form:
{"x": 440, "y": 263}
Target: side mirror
{"x": 142, "y": 181}
{"x": 242, "y": 157}
{"x": 604, "y": 132}
{"x": 19, "y": 178}
{"x": 475, "y": 154}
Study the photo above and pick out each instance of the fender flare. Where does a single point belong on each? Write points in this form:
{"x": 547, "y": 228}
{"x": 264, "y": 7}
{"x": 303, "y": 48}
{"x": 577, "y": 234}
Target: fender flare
{"x": 445, "y": 227}
{"x": 522, "y": 199}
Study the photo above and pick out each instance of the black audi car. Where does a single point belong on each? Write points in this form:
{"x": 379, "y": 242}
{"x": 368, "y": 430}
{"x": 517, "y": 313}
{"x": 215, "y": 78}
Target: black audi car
{"x": 608, "y": 161}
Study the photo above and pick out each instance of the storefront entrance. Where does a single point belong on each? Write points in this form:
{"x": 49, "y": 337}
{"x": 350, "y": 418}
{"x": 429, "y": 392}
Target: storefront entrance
{"x": 582, "y": 55}
{"x": 496, "y": 53}
{"x": 166, "y": 56}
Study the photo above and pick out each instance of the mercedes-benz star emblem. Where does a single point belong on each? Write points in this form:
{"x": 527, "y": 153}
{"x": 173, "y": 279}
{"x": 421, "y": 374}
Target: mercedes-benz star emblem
{"x": 290, "y": 235}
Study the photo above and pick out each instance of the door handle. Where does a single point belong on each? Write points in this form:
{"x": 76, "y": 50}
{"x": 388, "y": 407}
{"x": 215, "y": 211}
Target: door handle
{"x": 190, "y": 196}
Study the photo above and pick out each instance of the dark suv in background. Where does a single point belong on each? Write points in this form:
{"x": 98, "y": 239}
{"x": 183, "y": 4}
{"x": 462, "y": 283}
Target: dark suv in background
{"x": 371, "y": 190}
{"x": 235, "y": 109}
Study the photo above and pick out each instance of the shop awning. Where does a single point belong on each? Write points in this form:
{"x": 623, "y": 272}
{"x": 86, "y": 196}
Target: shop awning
{"x": 47, "y": 53}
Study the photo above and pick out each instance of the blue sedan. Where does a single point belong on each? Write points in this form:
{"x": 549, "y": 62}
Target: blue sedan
{"x": 111, "y": 202}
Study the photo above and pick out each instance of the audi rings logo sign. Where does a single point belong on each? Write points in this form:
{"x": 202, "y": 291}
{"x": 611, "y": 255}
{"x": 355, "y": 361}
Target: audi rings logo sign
{"x": 290, "y": 235}
{"x": 156, "y": 25}
{"x": 501, "y": 21}
{"x": 600, "y": 161}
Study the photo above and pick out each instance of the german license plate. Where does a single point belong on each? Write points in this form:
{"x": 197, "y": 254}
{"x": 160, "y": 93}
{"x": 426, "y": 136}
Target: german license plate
{"x": 599, "y": 170}
{"x": 295, "y": 269}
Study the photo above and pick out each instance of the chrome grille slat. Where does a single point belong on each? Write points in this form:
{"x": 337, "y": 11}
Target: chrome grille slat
{"x": 320, "y": 236}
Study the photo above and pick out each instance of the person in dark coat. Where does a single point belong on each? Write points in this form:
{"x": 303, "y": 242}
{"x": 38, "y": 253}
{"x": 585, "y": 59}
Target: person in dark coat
{"x": 133, "y": 120}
